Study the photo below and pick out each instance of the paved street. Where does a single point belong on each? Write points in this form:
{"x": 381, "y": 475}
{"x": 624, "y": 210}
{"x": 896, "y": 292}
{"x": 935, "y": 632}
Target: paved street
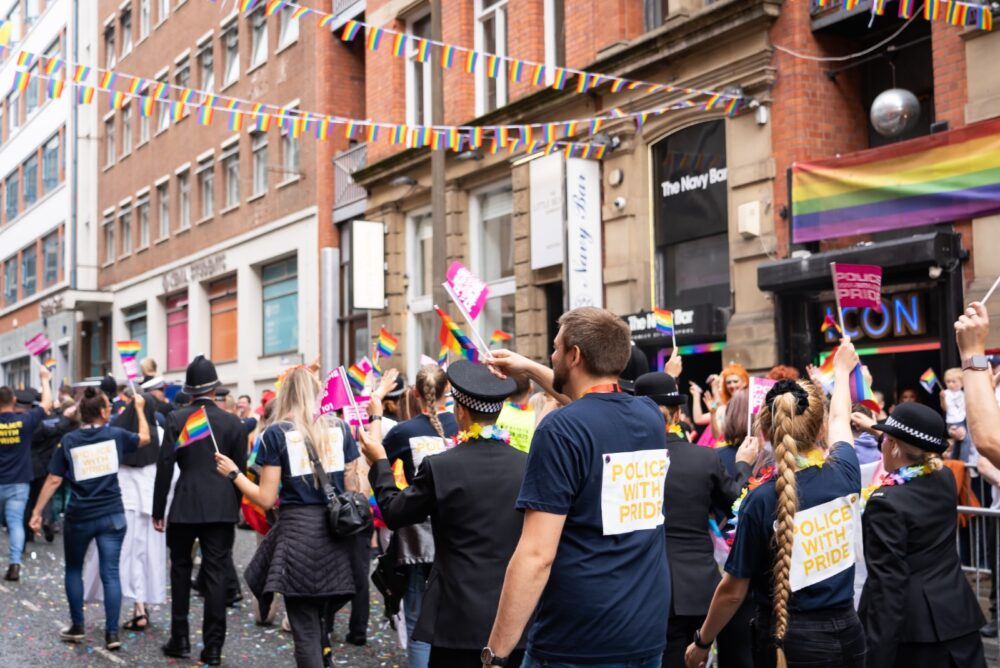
{"x": 35, "y": 608}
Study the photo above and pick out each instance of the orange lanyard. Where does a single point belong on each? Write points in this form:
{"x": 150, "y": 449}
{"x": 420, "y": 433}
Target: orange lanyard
{"x": 603, "y": 389}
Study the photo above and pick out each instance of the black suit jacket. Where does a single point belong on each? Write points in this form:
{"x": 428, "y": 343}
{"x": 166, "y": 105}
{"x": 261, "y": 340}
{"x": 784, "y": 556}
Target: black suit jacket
{"x": 915, "y": 591}
{"x": 469, "y": 493}
{"x": 201, "y": 495}
{"x": 697, "y": 483}
{"x": 129, "y": 421}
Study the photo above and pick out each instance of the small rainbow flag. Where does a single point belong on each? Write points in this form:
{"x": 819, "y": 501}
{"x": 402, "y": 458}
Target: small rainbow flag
{"x": 50, "y": 363}
{"x": 21, "y": 80}
{"x": 374, "y": 37}
{"x": 55, "y": 88}
{"x": 499, "y": 336}
{"x": 206, "y": 110}
{"x": 357, "y": 376}
{"x": 905, "y": 9}
{"x": 85, "y": 94}
{"x": 664, "y": 321}
{"x": 828, "y": 324}
{"x": 928, "y": 379}
{"x": 861, "y": 391}
{"x": 81, "y": 73}
{"x": 386, "y": 343}
{"x": 351, "y": 29}
{"x": 195, "y": 429}
{"x": 470, "y": 61}
{"x": 128, "y": 348}
{"x": 399, "y": 45}
{"x": 423, "y": 50}
{"x": 826, "y": 372}
{"x": 447, "y": 56}
{"x": 453, "y": 337}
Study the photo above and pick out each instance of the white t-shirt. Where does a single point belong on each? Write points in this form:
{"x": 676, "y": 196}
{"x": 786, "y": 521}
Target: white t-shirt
{"x": 955, "y": 402}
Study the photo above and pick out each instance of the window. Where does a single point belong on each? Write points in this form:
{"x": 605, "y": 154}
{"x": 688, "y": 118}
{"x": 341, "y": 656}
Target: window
{"x": 13, "y": 196}
{"x": 163, "y": 203}
{"x": 30, "y": 180}
{"x": 126, "y": 31}
{"x": 142, "y": 220}
{"x": 259, "y": 163}
{"x": 258, "y": 37}
{"x": 109, "y": 141}
{"x": 51, "y": 259}
{"x": 126, "y": 129}
{"x": 182, "y": 76}
{"x": 231, "y": 45}
{"x": 206, "y": 68}
{"x": 31, "y": 11}
{"x": 13, "y": 114}
{"x": 14, "y": 20}
{"x": 144, "y": 16}
{"x": 162, "y": 10}
{"x": 125, "y": 221}
{"x": 281, "y": 306}
{"x": 109, "y": 238}
{"x": 162, "y": 111}
{"x": 110, "y": 57}
{"x": 231, "y": 173}
{"x": 491, "y": 37}
{"x": 184, "y": 200}
{"x": 495, "y": 235}
{"x": 419, "y": 253}
{"x": 135, "y": 322}
{"x": 418, "y": 76}
{"x": 50, "y": 165}
{"x": 288, "y": 28}
{"x": 177, "y": 332}
{"x": 289, "y": 154}
{"x": 206, "y": 188}
{"x": 222, "y": 307}
{"x": 29, "y": 272}
{"x": 10, "y": 281}
{"x": 31, "y": 93}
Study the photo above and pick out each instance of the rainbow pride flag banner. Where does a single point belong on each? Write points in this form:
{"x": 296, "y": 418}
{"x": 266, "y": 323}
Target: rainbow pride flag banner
{"x": 128, "y": 350}
{"x": 386, "y": 343}
{"x": 942, "y": 177}
{"x": 195, "y": 429}
{"x": 928, "y": 379}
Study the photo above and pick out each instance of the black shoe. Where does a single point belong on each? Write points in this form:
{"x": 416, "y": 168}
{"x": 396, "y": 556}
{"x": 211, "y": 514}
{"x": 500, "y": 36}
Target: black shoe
{"x": 73, "y": 633}
{"x": 50, "y": 535}
{"x": 111, "y": 641}
{"x": 177, "y": 647}
{"x": 212, "y": 656}
{"x": 360, "y": 641}
{"x": 13, "y": 573}
{"x": 990, "y": 630}
{"x": 235, "y": 601}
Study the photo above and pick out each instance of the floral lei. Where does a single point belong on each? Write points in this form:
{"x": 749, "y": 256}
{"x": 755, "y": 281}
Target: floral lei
{"x": 895, "y": 478}
{"x": 490, "y": 432}
{"x": 676, "y": 430}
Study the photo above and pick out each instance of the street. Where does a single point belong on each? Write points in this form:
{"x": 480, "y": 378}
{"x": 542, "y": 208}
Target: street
{"x": 35, "y": 608}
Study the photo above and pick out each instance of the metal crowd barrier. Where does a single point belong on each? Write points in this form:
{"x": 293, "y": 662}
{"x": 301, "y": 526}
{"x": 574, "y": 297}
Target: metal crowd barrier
{"x": 978, "y": 544}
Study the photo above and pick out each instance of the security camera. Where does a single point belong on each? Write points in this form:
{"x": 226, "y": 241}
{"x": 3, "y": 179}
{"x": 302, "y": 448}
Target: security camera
{"x": 934, "y": 271}
{"x": 619, "y": 203}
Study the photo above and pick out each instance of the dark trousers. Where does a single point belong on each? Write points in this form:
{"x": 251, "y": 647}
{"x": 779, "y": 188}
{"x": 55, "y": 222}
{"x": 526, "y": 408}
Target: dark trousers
{"x": 831, "y": 638}
{"x": 233, "y": 590}
{"x": 445, "y": 657}
{"x": 962, "y": 652}
{"x": 733, "y": 642}
{"x": 680, "y": 632}
{"x": 216, "y": 540}
{"x": 33, "y": 492}
{"x": 361, "y": 560}
{"x": 310, "y": 619}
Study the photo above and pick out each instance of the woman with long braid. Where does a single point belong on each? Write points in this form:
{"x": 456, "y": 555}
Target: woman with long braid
{"x": 407, "y": 445}
{"x": 809, "y": 621}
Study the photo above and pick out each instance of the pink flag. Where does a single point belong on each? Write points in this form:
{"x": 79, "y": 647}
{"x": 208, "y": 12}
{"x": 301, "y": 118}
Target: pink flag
{"x": 758, "y": 389}
{"x": 131, "y": 368}
{"x": 38, "y": 344}
{"x": 337, "y": 394}
{"x": 357, "y": 415}
{"x": 858, "y": 285}
{"x": 468, "y": 291}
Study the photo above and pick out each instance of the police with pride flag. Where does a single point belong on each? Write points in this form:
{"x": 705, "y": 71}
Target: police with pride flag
{"x": 205, "y": 507}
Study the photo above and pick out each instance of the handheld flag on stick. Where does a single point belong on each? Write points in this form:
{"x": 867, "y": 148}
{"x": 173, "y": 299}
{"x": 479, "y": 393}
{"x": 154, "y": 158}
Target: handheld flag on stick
{"x": 665, "y": 323}
{"x": 928, "y": 379}
{"x": 337, "y": 394}
{"x": 828, "y": 324}
{"x": 358, "y": 372}
{"x": 454, "y": 338}
{"x": 49, "y": 363}
{"x": 499, "y": 336}
{"x": 386, "y": 343}
{"x": 857, "y": 285}
{"x": 37, "y": 344}
{"x": 195, "y": 429}
{"x": 128, "y": 350}
{"x": 861, "y": 391}
{"x": 826, "y": 373}
{"x": 469, "y": 293}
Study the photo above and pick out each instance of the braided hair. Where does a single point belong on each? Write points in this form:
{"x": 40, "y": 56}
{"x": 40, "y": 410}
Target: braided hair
{"x": 792, "y": 419}
{"x": 431, "y": 383}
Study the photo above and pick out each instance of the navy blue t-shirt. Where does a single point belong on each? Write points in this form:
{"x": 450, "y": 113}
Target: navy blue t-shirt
{"x": 282, "y": 445}
{"x": 88, "y": 458}
{"x": 16, "y": 430}
{"x": 752, "y": 555}
{"x": 415, "y": 439}
{"x": 601, "y": 461}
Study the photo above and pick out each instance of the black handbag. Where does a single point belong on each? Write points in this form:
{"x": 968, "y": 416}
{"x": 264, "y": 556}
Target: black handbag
{"x": 347, "y": 514}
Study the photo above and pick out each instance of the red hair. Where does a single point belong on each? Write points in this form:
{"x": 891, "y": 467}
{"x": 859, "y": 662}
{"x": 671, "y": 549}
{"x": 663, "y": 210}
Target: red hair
{"x": 733, "y": 370}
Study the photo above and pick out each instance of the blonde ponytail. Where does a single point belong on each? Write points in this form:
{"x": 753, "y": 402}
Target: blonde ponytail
{"x": 431, "y": 382}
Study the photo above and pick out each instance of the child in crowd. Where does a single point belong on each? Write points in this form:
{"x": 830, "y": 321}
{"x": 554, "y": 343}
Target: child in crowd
{"x": 953, "y": 405}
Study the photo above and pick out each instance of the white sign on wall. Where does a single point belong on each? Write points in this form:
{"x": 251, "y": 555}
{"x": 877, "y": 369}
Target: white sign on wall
{"x": 584, "y": 254}
{"x": 548, "y": 206}
{"x": 368, "y": 264}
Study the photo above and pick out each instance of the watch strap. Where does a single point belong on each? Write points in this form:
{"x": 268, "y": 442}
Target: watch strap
{"x": 697, "y": 641}
{"x": 976, "y": 362}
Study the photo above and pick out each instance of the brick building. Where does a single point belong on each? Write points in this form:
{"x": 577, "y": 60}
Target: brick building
{"x": 710, "y": 253}
{"x": 213, "y": 240}
{"x": 47, "y": 266}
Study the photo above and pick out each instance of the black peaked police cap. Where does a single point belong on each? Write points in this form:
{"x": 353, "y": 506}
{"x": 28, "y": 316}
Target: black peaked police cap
{"x": 920, "y": 426}
{"x": 661, "y": 388}
{"x": 476, "y": 388}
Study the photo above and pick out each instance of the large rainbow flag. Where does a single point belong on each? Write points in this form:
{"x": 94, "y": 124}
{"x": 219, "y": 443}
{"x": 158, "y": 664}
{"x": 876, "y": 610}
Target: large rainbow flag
{"x": 934, "y": 179}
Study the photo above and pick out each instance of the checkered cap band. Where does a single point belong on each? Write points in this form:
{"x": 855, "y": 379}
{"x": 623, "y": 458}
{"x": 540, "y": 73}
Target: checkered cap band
{"x": 896, "y": 424}
{"x": 474, "y": 404}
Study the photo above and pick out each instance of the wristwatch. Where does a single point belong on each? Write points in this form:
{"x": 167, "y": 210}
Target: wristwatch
{"x": 373, "y": 418}
{"x": 976, "y": 363}
{"x": 698, "y": 643}
{"x": 233, "y": 475}
{"x": 489, "y": 658}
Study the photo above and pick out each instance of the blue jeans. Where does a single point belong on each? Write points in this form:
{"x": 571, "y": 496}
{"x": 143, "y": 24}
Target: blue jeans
{"x": 13, "y": 499}
{"x": 109, "y": 532}
{"x": 649, "y": 662}
{"x": 418, "y": 653}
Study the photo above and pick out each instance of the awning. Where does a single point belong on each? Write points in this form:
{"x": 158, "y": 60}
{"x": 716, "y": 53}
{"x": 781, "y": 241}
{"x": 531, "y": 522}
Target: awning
{"x": 939, "y": 178}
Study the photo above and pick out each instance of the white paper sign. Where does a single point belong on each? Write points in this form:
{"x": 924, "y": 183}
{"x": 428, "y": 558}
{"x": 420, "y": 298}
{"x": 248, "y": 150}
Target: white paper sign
{"x": 825, "y": 541}
{"x": 94, "y": 461}
{"x": 298, "y": 455}
{"x": 425, "y": 446}
{"x": 632, "y": 485}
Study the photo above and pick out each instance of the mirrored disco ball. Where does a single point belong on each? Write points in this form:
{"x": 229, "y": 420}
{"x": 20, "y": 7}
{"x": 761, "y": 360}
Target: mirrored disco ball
{"x": 894, "y": 112}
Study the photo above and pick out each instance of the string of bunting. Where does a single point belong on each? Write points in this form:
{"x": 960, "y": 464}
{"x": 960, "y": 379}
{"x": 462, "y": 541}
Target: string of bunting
{"x": 955, "y": 12}
{"x": 532, "y": 137}
{"x": 493, "y": 65}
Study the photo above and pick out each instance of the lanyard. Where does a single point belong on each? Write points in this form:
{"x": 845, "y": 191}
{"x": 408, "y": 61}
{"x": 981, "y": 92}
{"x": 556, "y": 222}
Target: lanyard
{"x": 604, "y": 388}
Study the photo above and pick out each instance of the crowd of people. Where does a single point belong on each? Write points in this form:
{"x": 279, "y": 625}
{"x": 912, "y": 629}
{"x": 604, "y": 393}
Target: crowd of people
{"x": 524, "y": 515}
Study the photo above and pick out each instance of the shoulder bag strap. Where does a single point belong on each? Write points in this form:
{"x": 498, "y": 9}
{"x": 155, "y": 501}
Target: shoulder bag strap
{"x": 318, "y": 471}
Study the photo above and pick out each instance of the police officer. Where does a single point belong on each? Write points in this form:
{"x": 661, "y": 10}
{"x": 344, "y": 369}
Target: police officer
{"x": 205, "y": 507}
{"x": 469, "y": 494}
